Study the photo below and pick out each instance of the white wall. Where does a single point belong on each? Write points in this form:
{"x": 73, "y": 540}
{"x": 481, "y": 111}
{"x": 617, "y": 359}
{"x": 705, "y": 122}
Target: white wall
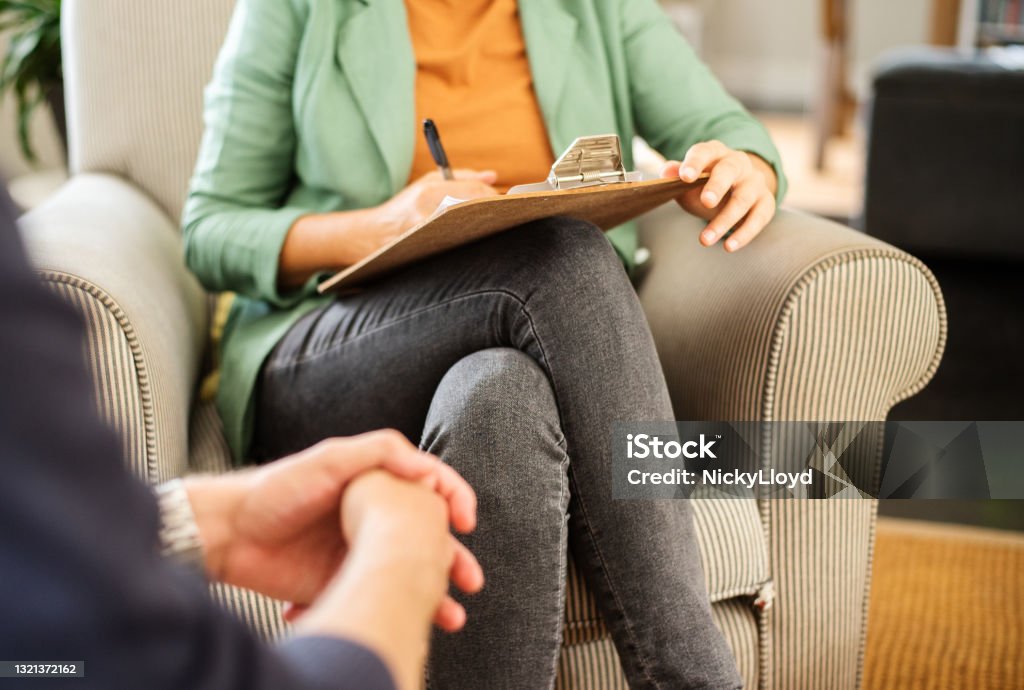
{"x": 766, "y": 51}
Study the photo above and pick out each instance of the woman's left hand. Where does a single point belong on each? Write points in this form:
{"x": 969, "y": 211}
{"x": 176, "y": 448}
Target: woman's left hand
{"x": 739, "y": 193}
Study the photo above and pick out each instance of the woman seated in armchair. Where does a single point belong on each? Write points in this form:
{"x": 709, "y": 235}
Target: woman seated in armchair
{"x": 510, "y": 358}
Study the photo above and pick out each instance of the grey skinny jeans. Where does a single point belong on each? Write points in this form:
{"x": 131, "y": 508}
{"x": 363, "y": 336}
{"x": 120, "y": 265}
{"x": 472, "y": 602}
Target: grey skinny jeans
{"x": 511, "y": 358}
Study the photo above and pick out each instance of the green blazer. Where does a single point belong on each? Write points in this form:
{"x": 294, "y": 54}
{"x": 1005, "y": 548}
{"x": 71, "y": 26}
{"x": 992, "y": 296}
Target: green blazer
{"x": 311, "y": 109}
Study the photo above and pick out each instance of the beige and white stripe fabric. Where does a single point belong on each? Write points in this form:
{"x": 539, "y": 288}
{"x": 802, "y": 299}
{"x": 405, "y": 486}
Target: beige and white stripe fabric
{"x": 111, "y": 359}
{"x": 830, "y": 346}
{"x": 739, "y": 622}
{"x": 106, "y": 243}
{"x": 135, "y": 104}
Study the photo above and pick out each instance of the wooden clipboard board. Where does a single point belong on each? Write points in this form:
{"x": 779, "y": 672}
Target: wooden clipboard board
{"x": 604, "y": 205}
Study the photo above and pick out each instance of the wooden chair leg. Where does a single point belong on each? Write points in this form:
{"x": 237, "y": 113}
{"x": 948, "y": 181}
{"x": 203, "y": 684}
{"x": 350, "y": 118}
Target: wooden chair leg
{"x": 828, "y": 110}
{"x": 834, "y": 103}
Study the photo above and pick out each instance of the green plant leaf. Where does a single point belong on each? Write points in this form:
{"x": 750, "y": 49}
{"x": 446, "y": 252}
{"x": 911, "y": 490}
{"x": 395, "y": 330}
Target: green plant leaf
{"x": 13, "y": 19}
{"x": 29, "y": 7}
{"x": 27, "y": 104}
{"x": 22, "y": 45}
{"x": 31, "y": 64}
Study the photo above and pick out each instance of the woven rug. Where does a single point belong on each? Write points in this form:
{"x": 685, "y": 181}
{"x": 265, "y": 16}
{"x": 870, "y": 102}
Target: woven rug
{"x": 947, "y": 608}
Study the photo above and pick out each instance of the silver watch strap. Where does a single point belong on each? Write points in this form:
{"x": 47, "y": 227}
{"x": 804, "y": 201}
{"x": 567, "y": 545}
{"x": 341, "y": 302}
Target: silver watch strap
{"x": 179, "y": 532}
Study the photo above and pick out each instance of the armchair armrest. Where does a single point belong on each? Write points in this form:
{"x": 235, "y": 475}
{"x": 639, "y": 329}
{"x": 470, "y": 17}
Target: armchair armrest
{"x": 116, "y": 257}
{"x": 811, "y": 322}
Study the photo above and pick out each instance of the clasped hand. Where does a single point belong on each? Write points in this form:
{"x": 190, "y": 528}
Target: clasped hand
{"x": 285, "y": 529}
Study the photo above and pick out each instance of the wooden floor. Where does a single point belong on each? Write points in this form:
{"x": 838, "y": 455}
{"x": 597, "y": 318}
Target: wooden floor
{"x": 947, "y": 609}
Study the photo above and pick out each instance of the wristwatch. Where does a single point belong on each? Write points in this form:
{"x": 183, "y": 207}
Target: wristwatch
{"x": 179, "y": 532}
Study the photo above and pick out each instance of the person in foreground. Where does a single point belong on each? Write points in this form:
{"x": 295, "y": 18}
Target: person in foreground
{"x": 509, "y": 358}
{"x": 353, "y": 531}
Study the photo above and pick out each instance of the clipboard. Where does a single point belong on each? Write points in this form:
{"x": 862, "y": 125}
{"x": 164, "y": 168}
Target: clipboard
{"x": 587, "y": 182}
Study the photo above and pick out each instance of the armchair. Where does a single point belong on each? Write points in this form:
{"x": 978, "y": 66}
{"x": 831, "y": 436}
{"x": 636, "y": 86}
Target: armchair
{"x": 812, "y": 321}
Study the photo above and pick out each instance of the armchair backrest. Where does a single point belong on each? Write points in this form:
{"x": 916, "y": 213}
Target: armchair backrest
{"x": 134, "y": 73}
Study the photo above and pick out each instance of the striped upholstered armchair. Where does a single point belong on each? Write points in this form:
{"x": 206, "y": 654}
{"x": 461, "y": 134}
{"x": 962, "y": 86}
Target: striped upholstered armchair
{"x": 813, "y": 321}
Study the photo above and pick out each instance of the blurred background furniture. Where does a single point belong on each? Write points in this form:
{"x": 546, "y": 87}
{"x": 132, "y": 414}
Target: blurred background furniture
{"x": 814, "y": 321}
{"x": 835, "y": 104}
{"x": 945, "y": 180}
{"x": 988, "y": 22}
{"x": 945, "y": 22}
{"x": 968, "y": 24}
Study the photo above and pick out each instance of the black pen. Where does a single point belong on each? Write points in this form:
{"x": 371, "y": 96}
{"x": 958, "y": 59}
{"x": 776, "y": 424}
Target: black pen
{"x": 436, "y": 150}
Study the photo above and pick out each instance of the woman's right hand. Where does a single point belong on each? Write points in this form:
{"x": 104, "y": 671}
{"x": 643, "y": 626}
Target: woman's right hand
{"x": 333, "y": 241}
{"x": 420, "y": 199}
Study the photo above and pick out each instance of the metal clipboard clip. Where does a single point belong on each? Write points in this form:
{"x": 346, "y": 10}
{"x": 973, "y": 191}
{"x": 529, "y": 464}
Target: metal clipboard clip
{"x": 589, "y": 161}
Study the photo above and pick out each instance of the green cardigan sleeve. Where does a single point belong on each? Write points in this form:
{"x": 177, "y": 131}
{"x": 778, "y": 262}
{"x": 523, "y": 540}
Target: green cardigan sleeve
{"x": 235, "y": 219}
{"x": 676, "y": 100}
